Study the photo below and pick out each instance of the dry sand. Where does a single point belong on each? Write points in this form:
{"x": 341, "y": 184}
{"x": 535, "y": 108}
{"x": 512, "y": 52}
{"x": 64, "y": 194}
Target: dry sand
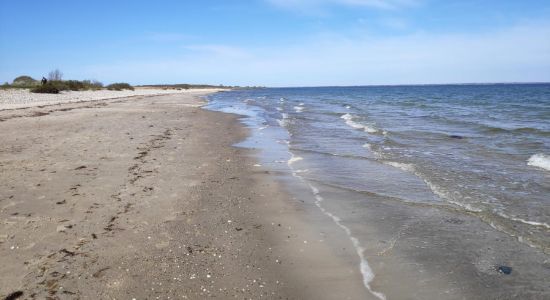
{"x": 21, "y": 98}
{"x": 145, "y": 198}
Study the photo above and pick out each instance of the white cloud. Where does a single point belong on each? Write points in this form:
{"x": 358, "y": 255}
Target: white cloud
{"x": 311, "y": 4}
{"x": 520, "y": 53}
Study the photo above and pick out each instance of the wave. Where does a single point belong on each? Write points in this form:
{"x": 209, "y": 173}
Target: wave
{"x": 539, "y": 160}
{"x": 437, "y": 190}
{"x": 442, "y": 193}
{"x": 532, "y": 223}
{"x": 350, "y": 121}
{"x": 445, "y": 195}
{"x": 294, "y": 159}
{"x": 329, "y": 153}
{"x": 284, "y": 121}
{"x": 299, "y": 109}
{"x": 402, "y": 166}
{"x": 530, "y": 130}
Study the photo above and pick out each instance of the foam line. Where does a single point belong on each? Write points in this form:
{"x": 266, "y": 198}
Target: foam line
{"x": 539, "y": 160}
{"x": 366, "y": 271}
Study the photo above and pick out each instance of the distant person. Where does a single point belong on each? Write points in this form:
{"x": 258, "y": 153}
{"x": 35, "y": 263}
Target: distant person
{"x": 44, "y": 80}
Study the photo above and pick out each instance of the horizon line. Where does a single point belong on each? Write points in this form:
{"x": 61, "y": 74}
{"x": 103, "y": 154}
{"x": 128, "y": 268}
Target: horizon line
{"x": 414, "y": 84}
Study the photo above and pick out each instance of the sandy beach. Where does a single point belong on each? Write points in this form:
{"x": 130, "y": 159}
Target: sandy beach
{"x": 22, "y": 98}
{"x": 144, "y": 197}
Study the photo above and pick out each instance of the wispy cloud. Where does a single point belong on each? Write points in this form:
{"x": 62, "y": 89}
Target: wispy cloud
{"x": 518, "y": 53}
{"x": 315, "y": 4}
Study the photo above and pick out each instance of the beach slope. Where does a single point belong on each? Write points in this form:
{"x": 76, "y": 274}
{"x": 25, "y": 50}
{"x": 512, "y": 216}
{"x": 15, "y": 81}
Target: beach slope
{"x": 145, "y": 198}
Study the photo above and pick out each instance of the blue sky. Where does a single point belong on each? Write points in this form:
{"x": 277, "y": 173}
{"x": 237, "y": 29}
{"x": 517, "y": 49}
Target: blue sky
{"x": 278, "y": 42}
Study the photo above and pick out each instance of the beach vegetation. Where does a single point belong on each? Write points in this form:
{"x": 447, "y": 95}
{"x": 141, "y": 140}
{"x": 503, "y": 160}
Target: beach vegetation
{"x": 93, "y": 84}
{"x": 55, "y": 84}
{"x": 24, "y": 80}
{"x": 48, "y": 88}
{"x": 70, "y": 85}
{"x": 119, "y": 86}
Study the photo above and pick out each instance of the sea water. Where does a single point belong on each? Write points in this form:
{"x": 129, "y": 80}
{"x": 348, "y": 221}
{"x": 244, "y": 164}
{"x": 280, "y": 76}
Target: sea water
{"x": 481, "y": 151}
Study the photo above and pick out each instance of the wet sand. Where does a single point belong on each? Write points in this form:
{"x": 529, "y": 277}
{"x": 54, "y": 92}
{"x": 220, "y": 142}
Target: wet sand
{"x": 145, "y": 198}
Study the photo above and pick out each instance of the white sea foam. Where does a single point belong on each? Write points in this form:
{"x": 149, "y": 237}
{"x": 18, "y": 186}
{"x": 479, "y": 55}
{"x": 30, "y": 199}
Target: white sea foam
{"x": 348, "y": 118}
{"x": 284, "y": 121}
{"x": 366, "y": 271}
{"x": 298, "y": 109}
{"x": 444, "y": 195}
{"x": 294, "y": 159}
{"x": 279, "y": 108}
{"x": 348, "y": 107}
{"x": 540, "y": 160}
{"x": 532, "y": 223}
{"x": 283, "y": 142}
{"x": 402, "y": 166}
{"x": 377, "y": 154}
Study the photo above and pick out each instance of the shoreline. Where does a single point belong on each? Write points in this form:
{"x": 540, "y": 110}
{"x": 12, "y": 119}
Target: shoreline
{"x": 146, "y": 197}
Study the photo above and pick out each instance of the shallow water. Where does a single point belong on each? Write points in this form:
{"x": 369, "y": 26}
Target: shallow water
{"x": 477, "y": 152}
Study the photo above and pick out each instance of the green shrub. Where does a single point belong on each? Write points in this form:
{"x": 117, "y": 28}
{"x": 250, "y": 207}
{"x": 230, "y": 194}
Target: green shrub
{"x": 47, "y": 88}
{"x": 74, "y": 85}
{"x": 60, "y": 85}
{"x": 24, "y": 80}
{"x": 92, "y": 84}
{"x": 120, "y": 86}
